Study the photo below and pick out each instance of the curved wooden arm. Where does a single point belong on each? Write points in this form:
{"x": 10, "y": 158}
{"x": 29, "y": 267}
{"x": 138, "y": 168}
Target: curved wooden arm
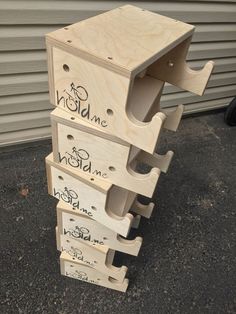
{"x": 172, "y": 68}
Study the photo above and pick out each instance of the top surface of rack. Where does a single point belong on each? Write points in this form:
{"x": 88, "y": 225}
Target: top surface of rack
{"x": 126, "y": 39}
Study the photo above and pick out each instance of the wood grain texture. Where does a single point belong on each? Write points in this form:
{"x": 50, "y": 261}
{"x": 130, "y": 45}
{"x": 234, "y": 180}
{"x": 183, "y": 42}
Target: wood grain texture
{"x": 76, "y": 270}
{"x": 97, "y": 256}
{"x": 86, "y": 149}
{"x": 72, "y": 223}
{"x": 159, "y": 49}
{"x": 88, "y": 196}
{"x": 87, "y": 91}
{"x": 172, "y": 68}
{"x": 143, "y": 35}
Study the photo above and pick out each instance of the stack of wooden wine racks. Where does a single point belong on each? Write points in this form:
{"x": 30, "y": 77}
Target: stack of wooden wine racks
{"x": 106, "y": 76}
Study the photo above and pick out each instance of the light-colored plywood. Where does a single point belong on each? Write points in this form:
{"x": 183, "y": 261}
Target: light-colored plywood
{"x": 88, "y": 196}
{"x": 149, "y": 37}
{"x": 133, "y": 205}
{"x": 76, "y": 270}
{"x": 222, "y": 64}
{"x": 172, "y": 68}
{"x": 86, "y": 149}
{"x": 163, "y": 162}
{"x": 97, "y": 256}
{"x": 141, "y": 209}
{"x": 81, "y": 227}
{"x": 85, "y": 152}
{"x": 87, "y": 91}
{"x": 83, "y": 75}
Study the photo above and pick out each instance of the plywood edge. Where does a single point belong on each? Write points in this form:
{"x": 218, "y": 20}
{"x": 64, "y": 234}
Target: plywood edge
{"x": 62, "y": 40}
{"x": 61, "y": 116}
{"x": 130, "y": 73}
{"x": 155, "y": 57}
{"x": 100, "y": 185}
{"x": 51, "y": 41}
